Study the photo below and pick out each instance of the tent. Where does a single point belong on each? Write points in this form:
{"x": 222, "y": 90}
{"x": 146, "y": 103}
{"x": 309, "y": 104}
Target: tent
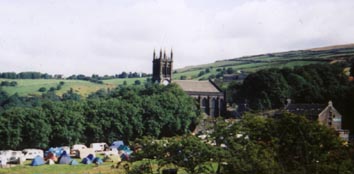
{"x": 97, "y": 160}
{"x": 90, "y": 156}
{"x": 37, "y": 161}
{"x": 57, "y": 151}
{"x": 50, "y": 162}
{"x": 86, "y": 161}
{"x": 116, "y": 144}
{"x": 64, "y": 158}
{"x": 125, "y": 149}
{"x": 74, "y": 162}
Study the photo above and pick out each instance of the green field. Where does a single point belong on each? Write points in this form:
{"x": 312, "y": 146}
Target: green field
{"x": 31, "y": 86}
{"x": 105, "y": 168}
{"x": 288, "y": 59}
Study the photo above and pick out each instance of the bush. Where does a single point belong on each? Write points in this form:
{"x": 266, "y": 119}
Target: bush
{"x": 52, "y": 89}
{"x": 42, "y": 89}
{"x": 183, "y": 78}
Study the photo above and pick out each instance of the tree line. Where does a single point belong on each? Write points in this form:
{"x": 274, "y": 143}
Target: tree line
{"x": 27, "y": 75}
{"x": 125, "y": 113}
{"x": 39, "y": 75}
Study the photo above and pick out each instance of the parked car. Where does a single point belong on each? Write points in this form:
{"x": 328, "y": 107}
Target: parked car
{"x": 98, "y": 147}
{"x": 32, "y": 153}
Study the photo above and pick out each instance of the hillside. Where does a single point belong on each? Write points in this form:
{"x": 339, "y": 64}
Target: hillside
{"x": 245, "y": 64}
{"x": 31, "y": 86}
{"x": 253, "y": 63}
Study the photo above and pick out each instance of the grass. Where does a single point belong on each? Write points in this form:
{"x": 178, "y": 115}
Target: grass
{"x": 105, "y": 168}
{"x": 62, "y": 168}
{"x": 30, "y": 87}
{"x": 130, "y": 81}
{"x": 272, "y": 60}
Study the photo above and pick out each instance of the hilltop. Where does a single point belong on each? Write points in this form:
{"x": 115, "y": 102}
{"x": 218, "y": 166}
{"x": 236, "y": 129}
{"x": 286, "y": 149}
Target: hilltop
{"x": 248, "y": 64}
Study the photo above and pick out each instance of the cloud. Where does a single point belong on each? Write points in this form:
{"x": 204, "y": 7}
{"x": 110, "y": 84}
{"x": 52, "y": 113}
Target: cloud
{"x": 108, "y": 37}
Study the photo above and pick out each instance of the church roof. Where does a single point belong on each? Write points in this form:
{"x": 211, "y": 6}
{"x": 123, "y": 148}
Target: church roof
{"x": 197, "y": 86}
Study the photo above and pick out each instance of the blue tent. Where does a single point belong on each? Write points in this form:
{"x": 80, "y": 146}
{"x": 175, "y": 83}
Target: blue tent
{"x": 74, "y": 162}
{"x": 97, "y": 160}
{"x": 65, "y": 159}
{"x": 58, "y": 151}
{"x": 90, "y": 156}
{"x": 86, "y": 161}
{"x": 124, "y": 148}
{"x": 37, "y": 161}
{"x": 116, "y": 144}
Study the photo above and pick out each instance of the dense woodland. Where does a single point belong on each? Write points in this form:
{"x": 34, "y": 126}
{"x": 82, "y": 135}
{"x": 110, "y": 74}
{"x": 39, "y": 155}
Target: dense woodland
{"x": 316, "y": 83}
{"x": 122, "y": 114}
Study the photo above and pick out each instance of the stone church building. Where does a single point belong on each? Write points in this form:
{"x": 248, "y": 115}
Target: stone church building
{"x": 210, "y": 97}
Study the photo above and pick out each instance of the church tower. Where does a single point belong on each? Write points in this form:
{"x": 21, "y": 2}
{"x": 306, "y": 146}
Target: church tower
{"x": 162, "y": 68}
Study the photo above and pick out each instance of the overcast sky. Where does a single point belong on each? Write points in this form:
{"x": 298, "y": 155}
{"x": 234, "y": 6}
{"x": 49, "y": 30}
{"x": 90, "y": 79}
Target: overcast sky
{"x": 111, "y": 36}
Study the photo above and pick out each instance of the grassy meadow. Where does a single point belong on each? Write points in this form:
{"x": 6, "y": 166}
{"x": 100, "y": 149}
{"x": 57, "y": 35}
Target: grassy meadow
{"x": 31, "y": 86}
{"x": 105, "y": 168}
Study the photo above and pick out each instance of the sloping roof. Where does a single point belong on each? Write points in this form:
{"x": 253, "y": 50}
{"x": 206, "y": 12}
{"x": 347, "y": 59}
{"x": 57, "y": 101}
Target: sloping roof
{"x": 197, "y": 86}
{"x": 309, "y": 110}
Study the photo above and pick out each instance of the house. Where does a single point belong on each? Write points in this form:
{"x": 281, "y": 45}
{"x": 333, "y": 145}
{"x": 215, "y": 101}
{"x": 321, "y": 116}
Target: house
{"x": 325, "y": 115}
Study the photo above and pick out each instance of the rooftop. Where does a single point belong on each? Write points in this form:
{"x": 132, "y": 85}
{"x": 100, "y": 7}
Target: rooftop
{"x": 197, "y": 86}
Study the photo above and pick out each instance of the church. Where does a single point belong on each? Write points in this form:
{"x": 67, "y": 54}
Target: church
{"x": 210, "y": 97}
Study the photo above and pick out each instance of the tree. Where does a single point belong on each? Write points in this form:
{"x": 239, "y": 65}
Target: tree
{"x": 201, "y": 73}
{"x": 13, "y": 83}
{"x": 24, "y": 128}
{"x": 123, "y": 75}
{"x": 67, "y": 122}
{"x": 230, "y": 70}
{"x": 42, "y": 89}
{"x": 183, "y": 77}
{"x": 3, "y": 97}
{"x": 5, "y": 83}
{"x": 137, "y": 82}
{"x": 264, "y": 89}
{"x": 168, "y": 111}
{"x": 286, "y": 144}
{"x": 190, "y": 153}
{"x": 71, "y": 95}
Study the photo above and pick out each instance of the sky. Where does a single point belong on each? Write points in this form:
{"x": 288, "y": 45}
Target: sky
{"x": 110, "y": 36}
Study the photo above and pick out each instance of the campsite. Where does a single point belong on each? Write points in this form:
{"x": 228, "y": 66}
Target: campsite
{"x": 75, "y": 159}
{"x": 57, "y": 159}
